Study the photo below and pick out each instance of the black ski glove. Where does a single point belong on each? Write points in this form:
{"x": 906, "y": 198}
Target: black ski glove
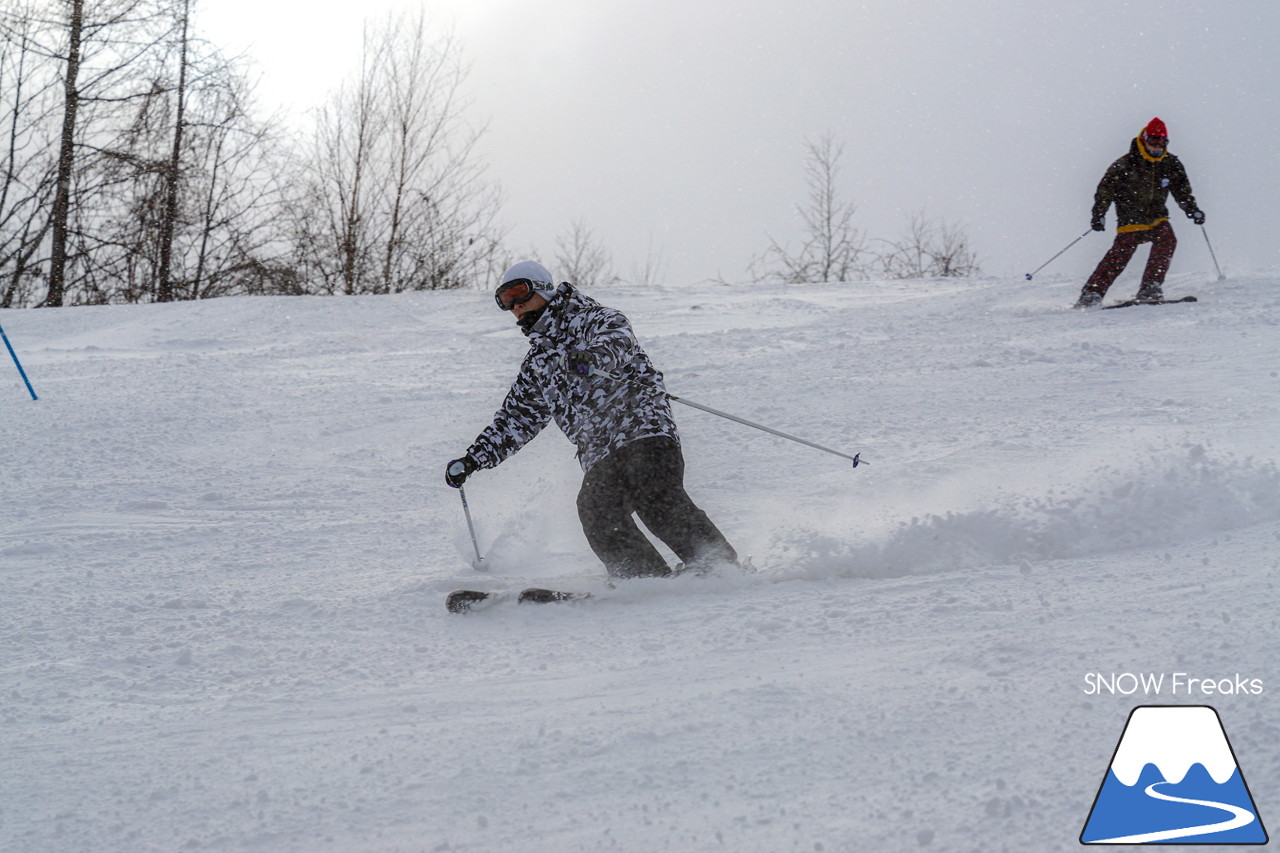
{"x": 1197, "y": 216}
{"x": 1098, "y": 224}
{"x": 580, "y": 361}
{"x": 457, "y": 471}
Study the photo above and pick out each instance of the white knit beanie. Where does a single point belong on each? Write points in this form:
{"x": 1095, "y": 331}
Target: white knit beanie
{"x": 543, "y": 284}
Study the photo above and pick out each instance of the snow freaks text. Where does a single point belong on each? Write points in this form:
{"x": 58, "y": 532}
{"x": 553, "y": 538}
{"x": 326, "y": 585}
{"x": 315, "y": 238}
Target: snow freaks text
{"x": 1169, "y": 684}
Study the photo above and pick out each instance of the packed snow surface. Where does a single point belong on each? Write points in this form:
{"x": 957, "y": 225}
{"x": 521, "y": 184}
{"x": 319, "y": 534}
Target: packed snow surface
{"x": 226, "y": 543}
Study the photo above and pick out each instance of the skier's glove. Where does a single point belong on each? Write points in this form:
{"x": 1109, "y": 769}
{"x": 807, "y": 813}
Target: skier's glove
{"x": 457, "y": 471}
{"x": 1098, "y": 224}
{"x": 1197, "y": 216}
{"x": 580, "y": 361}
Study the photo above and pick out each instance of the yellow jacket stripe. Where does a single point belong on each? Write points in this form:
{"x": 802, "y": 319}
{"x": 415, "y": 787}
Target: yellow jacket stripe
{"x": 1125, "y": 229}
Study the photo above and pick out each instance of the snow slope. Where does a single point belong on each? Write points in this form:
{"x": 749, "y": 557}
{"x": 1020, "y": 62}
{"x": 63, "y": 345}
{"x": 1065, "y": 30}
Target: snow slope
{"x": 226, "y": 543}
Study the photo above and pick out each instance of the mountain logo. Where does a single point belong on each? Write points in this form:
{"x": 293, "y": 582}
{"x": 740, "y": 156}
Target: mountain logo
{"x": 1173, "y": 780}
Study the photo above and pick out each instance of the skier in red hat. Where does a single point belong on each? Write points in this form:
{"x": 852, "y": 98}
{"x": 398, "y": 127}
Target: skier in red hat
{"x": 1140, "y": 183}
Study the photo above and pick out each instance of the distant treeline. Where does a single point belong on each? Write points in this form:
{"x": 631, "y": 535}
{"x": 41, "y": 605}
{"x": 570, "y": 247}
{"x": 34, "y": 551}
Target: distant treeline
{"x": 135, "y": 165}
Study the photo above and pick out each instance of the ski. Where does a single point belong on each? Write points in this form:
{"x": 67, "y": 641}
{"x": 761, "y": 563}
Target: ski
{"x": 1129, "y": 302}
{"x": 470, "y": 600}
{"x": 467, "y": 600}
{"x": 534, "y": 595}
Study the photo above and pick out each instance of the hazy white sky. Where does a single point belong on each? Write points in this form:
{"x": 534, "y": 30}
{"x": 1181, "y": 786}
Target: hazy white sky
{"x": 676, "y": 128}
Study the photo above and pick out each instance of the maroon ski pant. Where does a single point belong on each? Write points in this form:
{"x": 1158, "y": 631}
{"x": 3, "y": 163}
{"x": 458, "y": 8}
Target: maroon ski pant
{"x": 1163, "y": 244}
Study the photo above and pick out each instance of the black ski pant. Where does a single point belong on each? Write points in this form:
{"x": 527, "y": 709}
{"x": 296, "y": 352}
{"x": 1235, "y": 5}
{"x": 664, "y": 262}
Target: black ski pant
{"x": 645, "y": 477}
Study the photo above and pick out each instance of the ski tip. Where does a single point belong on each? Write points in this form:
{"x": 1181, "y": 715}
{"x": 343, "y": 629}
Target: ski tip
{"x": 534, "y": 595}
{"x": 461, "y": 601}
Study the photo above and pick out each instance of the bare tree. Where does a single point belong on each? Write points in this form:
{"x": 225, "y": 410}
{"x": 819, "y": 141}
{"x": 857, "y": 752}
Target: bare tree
{"x": 952, "y": 255}
{"x": 103, "y": 39}
{"x": 396, "y": 198}
{"x": 930, "y": 248}
{"x": 236, "y": 171}
{"x": 97, "y": 46}
{"x": 66, "y": 153}
{"x": 652, "y": 270}
{"x": 185, "y": 193}
{"x": 27, "y": 166}
{"x": 832, "y": 249}
{"x": 172, "y": 173}
{"x": 581, "y": 259}
{"x": 341, "y": 189}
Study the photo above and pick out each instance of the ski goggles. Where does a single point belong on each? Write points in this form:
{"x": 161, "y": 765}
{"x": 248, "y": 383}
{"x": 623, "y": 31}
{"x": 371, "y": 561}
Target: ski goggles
{"x": 512, "y": 293}
{"x": 1157, "y": 141}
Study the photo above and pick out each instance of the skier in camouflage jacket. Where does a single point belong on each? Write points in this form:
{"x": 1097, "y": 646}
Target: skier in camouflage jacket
{"x": 1139, "y": 183}
{"x": 627, "y": 440}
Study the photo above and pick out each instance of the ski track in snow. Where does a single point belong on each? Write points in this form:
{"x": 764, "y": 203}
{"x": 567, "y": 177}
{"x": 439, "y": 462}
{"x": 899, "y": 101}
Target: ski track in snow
{"x": 226, "y": 545}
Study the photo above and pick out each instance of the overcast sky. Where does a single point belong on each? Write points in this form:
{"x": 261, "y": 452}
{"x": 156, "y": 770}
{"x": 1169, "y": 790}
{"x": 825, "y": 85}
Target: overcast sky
{"x": 676, "y": 129}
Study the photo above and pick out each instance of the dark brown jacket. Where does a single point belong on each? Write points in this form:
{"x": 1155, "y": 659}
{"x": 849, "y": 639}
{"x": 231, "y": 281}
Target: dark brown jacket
{"x": 1140, "y": 184}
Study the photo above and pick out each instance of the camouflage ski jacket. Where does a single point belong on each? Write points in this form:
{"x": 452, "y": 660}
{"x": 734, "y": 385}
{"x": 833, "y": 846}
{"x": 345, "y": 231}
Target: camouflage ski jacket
{"x": 1140, "y": 184}
{"x": 597, "y": 414}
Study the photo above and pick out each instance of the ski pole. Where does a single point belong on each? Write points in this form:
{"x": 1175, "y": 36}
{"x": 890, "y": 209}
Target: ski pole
{"x": 21, "y": 372}
{"x": 856, "y": 458}
{"x": 479, "y": 564}
{"x": 1055, "y": 257}
{"x": 1221, "y": 277}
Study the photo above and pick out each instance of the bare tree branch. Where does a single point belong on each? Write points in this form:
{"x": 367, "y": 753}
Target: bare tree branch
{"x": 396, "y": 198}
{"x": 581, "y": 259}
{"x": 930, "y": 248}
{"x": 832, "y": 249}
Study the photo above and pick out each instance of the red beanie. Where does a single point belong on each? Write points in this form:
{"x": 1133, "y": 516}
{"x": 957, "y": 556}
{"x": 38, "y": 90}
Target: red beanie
{"x": 1156, "y": 127}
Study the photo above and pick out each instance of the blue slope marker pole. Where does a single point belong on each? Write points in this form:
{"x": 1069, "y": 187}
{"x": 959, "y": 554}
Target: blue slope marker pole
{"x": 21, "y": 372}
